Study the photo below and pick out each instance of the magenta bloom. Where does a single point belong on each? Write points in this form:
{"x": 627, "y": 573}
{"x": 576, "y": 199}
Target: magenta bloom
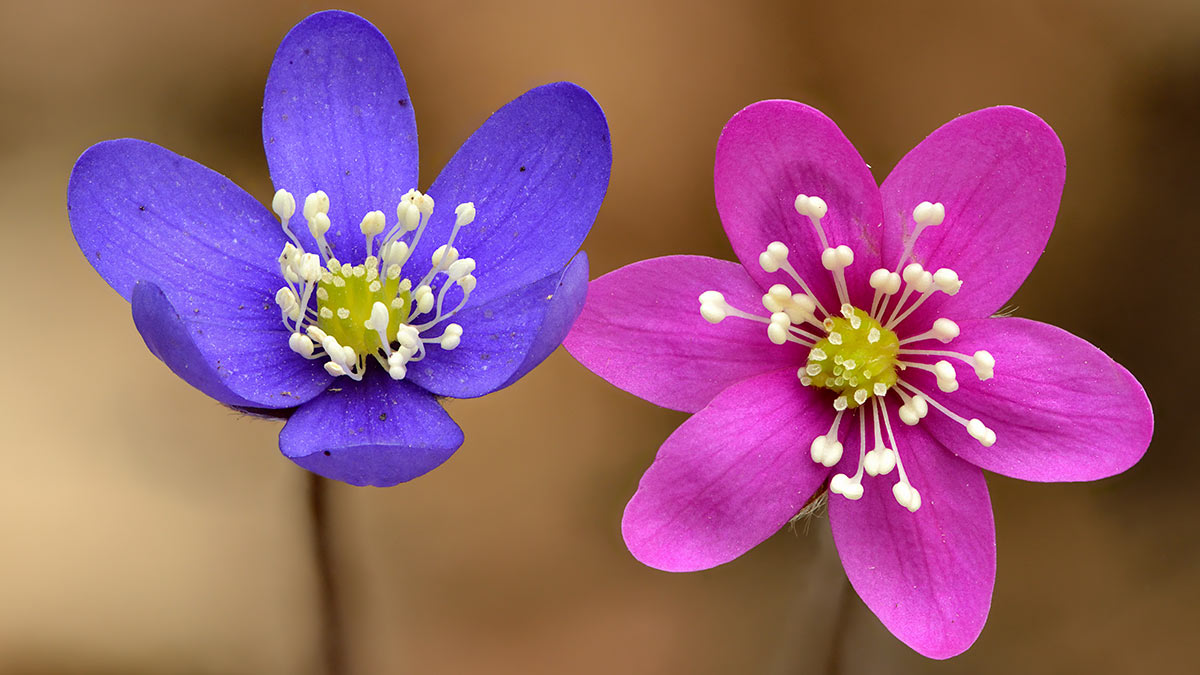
{"x": 853, "y": 349}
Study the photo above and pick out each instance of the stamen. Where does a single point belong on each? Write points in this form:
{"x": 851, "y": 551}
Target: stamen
{"x": 983, "y": 362}
{"x": 775, "y": 258}
{"x": 944, "y": 330}
{"x": 924, "y": 215}
{"x": 826, "y": 449}
{"x": 886, "y": 284}
{"x": 974, "y": 426}
{"x": 852, "y": 488}
{"x": 372, "y": 224}
{"x": 906, "y": 495}
{"x": 947, "y": 379}
{"x": 284, "y": 206}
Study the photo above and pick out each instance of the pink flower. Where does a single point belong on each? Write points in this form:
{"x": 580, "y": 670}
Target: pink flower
{"x": 854, "y": 349}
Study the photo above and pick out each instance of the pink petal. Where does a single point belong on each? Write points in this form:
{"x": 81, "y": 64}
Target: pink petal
{"x": 1062, "y": 410}
{"x": 770, "y": 152}
{"x": 642, "y": 331}
{"x": 730, "y": 477}
{"x": 927, "y": 575}
{"x": 999, "y": 173}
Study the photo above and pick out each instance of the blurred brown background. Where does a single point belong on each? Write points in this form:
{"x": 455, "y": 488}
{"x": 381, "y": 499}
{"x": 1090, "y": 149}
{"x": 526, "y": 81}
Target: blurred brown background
{"x": 146, "y": 529}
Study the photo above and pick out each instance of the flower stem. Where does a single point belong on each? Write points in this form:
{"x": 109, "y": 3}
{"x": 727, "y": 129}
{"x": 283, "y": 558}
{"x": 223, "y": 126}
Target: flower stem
{"x": 332, "y": 638}
{"x": 841, "y": 623}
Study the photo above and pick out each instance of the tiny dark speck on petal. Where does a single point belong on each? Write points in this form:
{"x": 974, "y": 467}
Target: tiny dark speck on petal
{"x": 141, "y": 207}
{"x": 97, "y": 255}
{"x": 382, "y": 417}
{"x": 347, "y": 172}
{"x": 306, "y": 51}
{"x": 241, "y": 307}
{"x": 196, "y": 310}
{"x": 328, "y": 453}
{"x": 403, "y": 102}
{"x": 522, "y": 169}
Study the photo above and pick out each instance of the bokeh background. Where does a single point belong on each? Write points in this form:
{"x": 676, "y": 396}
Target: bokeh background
{"x": 145, "y": 529}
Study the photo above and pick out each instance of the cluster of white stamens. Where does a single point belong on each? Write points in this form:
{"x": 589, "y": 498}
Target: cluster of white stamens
{"x": 369, "y": 309}
{"x": 858, "y": 355}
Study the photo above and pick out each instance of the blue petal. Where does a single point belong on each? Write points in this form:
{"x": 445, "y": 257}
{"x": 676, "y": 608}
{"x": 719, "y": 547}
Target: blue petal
{"x": 504, "y": 338}
{"x": 249, "y": 369}
{"x": 536, "y": 171}
{"x": 141, "y": 213}
{"x": 560, "y": 316}
{"x": 375, "y": 432}
{"x": 337, "y": 117}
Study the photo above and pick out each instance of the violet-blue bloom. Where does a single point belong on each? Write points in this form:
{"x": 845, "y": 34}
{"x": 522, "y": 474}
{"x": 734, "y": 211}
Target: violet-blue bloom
{"x": 853, "y": 349}
{"x": 383, "y": 298}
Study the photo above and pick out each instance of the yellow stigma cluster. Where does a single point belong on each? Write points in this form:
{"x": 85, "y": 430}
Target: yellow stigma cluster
{"x": 346, "y": 296}
{"x": 857, "y": 358}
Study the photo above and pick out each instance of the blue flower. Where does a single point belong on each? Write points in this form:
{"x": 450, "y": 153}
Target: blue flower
{"x": 359, "y": 301}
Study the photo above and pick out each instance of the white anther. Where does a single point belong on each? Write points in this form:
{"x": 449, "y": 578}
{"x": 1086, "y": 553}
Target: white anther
{"x": 887, "y": 461}
{"x": 781, "y": 293}
{"x": 284, "y": 205}
{"x": 919, "y": 406}
{"x": 393, "y": 253}
{"x": 334, "y": 369}
{"x": 301, "y": 344}
{"x": 777, "y": 333}
{"x": 424, "y": 204}
{"x": 332, "y": 347}
{"x": 912, "y": 273}
{"x": 316, "y": 334}
{"x": 444, "y": 256}
{"x": 771, "y": 304}
{"x": 773, "y": 258}
{"x": 985, "y": 365}
{"x": 408, "y": 215}
{"x": 879, "y": 389}
{"x": 947, "y": 379}
{"x": 314, "y": 203}
{"x": 380, "y": 317}
{"x": 845, "y": 256}
{"x": 813, "y": 207}
{"x": 467, "y": 283}
{"x": 805, "y": 303}
{"x": 423, "y": 298}
{"x": 860, "y": 396}
{"x": 929, "y": 214}
{"x": 904, "y": 494}
{"x": 840, "y": 403}
{"x": 713, "y": 307}
{"x": 945, "y": 330}
{"x": 981, "y": 433}
{"x": 946, "y": 280}
{"x": 286, "y": 298}
{"x": 826, "y": 451}
{"x": 465, "y": 213}
{"x": 908, "y": 416}
{"x": 830, "y": 259}
{"x": 460, "y": 268}
{"x": 451, "y": 336}
{"x": 309, "y": 268}
{"x": 842, "y": 484}
{"x": 408, "y": 337}
{"x": 372, "y": 223}
{"x": 879, "y": 278}
{"x": 397, "y": 371}
{"x": 319, "y": 224}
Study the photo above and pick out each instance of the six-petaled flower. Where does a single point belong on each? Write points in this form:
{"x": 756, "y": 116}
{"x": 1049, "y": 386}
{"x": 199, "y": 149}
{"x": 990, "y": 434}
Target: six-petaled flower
{"x": 854, "y": 349}
{"x": 358, "y": 303}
